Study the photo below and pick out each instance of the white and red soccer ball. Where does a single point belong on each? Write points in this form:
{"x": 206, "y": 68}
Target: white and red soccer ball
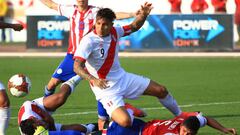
{"x": 19, "y": 85}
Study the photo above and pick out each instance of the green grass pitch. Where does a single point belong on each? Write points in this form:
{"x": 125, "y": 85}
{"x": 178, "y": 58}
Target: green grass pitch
{"x": 210, "y": 85}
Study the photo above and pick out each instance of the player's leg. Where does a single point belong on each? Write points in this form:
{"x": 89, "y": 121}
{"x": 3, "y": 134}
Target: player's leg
{"x": 61, "y": 74}
{"x": 4, "y": 109}
{"x": 159, "y": 91}
{"x": 54, "y": 101}
{"x": 51, "y": 86}
{"x": 88, "y": 128}
{"x": 114, "y": 106}
{"x": 103, "y": 117}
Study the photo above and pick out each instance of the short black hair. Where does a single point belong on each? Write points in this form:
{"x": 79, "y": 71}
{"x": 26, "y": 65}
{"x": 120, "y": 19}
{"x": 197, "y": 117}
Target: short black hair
{"x": 106, "y": 13}
{"x": 27, "y": 126}
{"x": 192, "y": 123}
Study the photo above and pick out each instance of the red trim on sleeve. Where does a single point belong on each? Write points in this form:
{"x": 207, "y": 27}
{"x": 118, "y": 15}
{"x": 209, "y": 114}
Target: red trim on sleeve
{"x": 127, "y": 30}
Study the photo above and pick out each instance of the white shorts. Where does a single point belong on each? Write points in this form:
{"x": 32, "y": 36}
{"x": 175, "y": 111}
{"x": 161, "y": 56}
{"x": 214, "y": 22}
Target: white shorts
{"x": 130, "y": 86}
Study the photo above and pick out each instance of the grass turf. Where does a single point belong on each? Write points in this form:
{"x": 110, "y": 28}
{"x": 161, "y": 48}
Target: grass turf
{"x": 210, "y": 85}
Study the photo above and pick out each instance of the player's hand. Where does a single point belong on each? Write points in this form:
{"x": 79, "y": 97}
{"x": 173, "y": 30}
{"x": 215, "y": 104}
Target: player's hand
{"x": 231, "y": 131}
{"x": 146, "y": 9}
{"x": 101, "y": 83}
{"x": 17, "y": 27}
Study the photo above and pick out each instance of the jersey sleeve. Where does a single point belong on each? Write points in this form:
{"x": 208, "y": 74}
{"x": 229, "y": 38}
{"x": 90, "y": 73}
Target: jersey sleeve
{"x": 84, "y": 49}
{"x": 66, "y": 10}
{"x": 123, "y": 30}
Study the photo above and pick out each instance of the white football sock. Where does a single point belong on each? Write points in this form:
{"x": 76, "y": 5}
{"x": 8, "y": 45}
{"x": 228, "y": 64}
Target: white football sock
{"x": 48, "y": 92}
{"x": 4, "y": 119}
{"x": 89, "y": 128}
{"x": 73, "y": 82}
{"x": 170, "y": 103}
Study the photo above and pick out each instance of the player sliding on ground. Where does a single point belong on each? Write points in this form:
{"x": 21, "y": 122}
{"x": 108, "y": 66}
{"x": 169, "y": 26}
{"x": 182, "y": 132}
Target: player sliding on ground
{"x": 38, "y": 112}
{"x": 188, "y": 123}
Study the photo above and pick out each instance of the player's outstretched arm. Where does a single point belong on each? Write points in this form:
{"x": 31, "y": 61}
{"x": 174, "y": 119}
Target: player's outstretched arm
{"x": 141, "y": 16}
{"x": 123, "y": 15}
{"x": 16, "y": 27}
{"x": 51, "y": 4}
{"x": 216, "y": 125}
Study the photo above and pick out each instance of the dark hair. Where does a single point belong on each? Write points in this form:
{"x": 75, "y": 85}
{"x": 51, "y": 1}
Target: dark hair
{"x": 192, "y": 123}
{"x": 27, "y": 126}
{"x": 106, "y": 13}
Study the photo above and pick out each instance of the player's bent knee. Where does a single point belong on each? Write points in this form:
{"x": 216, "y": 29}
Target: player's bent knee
{"x": 61, "y": 98}
{"x": 162, "y": 91}
{"x": 125, "y": 122}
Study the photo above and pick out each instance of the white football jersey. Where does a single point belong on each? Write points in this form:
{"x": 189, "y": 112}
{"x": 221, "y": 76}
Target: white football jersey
{"x": 29, "y": 109}
{"x": 101, "y": 53}
{"x": 80, "y": 23}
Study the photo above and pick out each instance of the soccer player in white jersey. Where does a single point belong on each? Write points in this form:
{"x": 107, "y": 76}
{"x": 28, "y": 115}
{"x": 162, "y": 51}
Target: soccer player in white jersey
{"x": 81, "y": 17}
{"x": 4, "y": 109}
{"x": 38, "y": 112}
{"x": 98, "y": 51}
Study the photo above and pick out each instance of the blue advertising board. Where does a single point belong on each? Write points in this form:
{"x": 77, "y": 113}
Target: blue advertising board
{"x": 175, "y": 32}
{"x": 181, "y": 32}
{"x": 47, "y": 32}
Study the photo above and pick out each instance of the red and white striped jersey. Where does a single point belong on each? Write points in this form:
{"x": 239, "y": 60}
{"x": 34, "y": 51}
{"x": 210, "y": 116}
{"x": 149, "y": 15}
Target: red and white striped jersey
{"x": 29, "y": 109}
{"x": 101, "y": 53}
{"x": 80, "y": 23}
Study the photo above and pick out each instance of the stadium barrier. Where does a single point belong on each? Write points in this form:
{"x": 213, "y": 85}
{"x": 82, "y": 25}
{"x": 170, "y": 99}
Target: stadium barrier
{"x": 175, "y": 32}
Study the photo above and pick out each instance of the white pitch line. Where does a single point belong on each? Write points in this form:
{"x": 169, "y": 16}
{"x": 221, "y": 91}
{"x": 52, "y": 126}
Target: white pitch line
{"x": 151, "y": 108}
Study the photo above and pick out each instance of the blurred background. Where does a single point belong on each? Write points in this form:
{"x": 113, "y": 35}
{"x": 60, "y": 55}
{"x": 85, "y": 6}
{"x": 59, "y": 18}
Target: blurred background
{"x": 174, "y": 25}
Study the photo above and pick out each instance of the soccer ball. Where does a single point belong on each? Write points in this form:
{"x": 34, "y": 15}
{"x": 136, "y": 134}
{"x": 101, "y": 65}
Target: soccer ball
{"x": 19, "y": 85}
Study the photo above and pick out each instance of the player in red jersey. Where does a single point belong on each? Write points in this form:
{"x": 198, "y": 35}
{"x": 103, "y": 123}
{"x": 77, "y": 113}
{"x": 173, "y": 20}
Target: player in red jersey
{"x": 219, "y": 6}
{"x": 198, "y": 6}
{"x": 188, "y": 123}
{"x": 175, "y": 6}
